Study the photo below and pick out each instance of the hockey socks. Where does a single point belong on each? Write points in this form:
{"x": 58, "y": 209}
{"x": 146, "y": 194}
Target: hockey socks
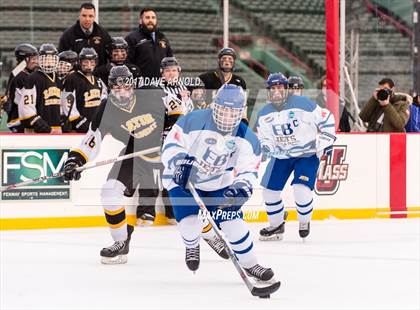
{"x": 112, "y": 197}
{"x": 240, "y": 239}
{"x": 304, "y": 202}
{"x": 274, "y": 207}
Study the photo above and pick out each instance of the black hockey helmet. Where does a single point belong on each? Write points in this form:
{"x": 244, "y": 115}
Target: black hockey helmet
{"x": 118, "y": 43}
{"x": 295, "y": 82}
{"x": 120, "y": 82}
{"x": 67, "y": 62}
{"x": 169, "y": 62}
{"x": 24, "y": 50}
{"x": 227, "y": 51}
{"x": 120, "y": 75}
{"x": 69, "y": 56}
{"x": 47, "y": 49}
{"x": 88, "y": 53}
{"x": 48, "y": 58}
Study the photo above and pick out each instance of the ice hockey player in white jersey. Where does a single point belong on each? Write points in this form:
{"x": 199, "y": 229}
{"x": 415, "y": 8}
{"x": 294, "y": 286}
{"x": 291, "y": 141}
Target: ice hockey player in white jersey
{"x": 178, "y": 102}
{"x": 220, "y": 156}
{"x": 295, "y": 133}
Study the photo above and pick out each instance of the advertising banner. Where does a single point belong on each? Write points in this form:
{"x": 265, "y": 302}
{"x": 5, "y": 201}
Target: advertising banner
{"x": 22, "y": 164}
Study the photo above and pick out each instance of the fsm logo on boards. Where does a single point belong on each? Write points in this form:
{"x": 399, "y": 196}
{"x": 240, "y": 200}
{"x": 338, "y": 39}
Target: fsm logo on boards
{"x": 332, "y": 170}
{"x": 18, "y": 165}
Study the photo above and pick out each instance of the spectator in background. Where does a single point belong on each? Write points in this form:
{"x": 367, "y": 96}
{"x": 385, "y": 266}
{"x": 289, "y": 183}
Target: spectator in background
{"x": 345, "y": 116}
{"x": 27, "y": 62}
{"x": 321, "y": 99}
{"x": 86, "y": 33}
{"x": 296, "y": 85}
{"x": 386, "y": 111}
{"x": 118, "y": 53}
{"x": 413, "y": 124}
{"x": 147, "y": 45}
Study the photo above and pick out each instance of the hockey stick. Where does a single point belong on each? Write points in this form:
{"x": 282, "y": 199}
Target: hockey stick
{"x": 82, "y": 168}
{"x": 261, "y": 291}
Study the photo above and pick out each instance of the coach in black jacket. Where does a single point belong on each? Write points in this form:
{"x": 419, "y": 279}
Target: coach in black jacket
{"x": 86, "y": 33}
{"x": 147, "y": 45}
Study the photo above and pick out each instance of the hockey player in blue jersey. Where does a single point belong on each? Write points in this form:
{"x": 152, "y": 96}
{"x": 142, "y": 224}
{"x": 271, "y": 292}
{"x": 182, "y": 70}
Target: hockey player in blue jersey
{"x": 288, "y": 127}
{"x": 220, "y": 156}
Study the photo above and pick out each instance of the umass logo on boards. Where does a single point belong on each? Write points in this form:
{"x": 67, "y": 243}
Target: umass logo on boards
{"x": 332, "y": 170}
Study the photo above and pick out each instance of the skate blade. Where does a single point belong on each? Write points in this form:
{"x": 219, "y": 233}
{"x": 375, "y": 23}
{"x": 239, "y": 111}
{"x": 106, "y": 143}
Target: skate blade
{"x": 275, "y": 237}
{"x": 120, "y": 259}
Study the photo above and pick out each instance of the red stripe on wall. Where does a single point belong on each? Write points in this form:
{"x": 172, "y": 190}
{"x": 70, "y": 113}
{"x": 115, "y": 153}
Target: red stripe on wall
{"x": 332, "y": 51}
{"x": 397, "y": 175}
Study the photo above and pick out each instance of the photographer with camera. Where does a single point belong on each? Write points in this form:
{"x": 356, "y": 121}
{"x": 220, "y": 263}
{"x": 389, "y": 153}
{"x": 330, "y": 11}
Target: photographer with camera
{"x": 386, "y": 111}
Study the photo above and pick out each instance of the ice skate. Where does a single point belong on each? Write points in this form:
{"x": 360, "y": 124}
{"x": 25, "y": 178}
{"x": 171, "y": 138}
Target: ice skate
{"x": 304, "y": 229}
{"x": 274, "y": 233}
{"x": 192, "y": 258}
{"x": 260, "y": 273}
{"x": 218, "y": 246}
{"x": 145, "y": 216}
{"x": 117, "y": 253}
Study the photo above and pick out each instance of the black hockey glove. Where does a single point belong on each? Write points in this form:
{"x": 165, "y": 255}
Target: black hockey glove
{"x": 185, "y": 171}
{"x": 74, "y": 161}
{"x": 237, "y": 194}
{"x": 40, "y": 125}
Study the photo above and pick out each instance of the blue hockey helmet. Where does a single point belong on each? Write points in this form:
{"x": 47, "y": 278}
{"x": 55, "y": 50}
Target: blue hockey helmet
{"x": 228, "y": 107}
{"x": 277, "y": 79}
{"x": 277, "y": 85}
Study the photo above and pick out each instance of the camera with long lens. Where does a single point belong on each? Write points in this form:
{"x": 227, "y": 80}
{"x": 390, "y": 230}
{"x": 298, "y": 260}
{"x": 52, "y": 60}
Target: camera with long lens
{"x": 383, "y": 94}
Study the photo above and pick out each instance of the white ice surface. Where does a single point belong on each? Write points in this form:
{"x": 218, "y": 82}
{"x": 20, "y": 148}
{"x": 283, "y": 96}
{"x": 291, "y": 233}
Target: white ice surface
{"x": 370, "y": 264}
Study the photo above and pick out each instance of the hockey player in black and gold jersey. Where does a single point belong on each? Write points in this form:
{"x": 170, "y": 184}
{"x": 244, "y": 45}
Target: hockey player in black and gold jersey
{"x": 87, "y": 90}
{"x": 67, "y": 63}
{"x": 118, "y": 54}
{"x": 39, "y": 106}
{"x": 27, "y": 55}
{"x": 135, "y": 118}
{"x": 215, "y": 79}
